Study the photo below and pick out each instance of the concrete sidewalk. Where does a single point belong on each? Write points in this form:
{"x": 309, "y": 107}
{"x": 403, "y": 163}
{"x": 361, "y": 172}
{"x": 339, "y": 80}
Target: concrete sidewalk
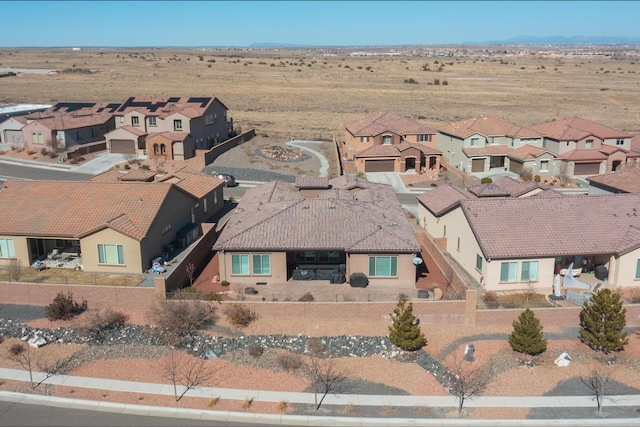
{"x": 306, "y": 398}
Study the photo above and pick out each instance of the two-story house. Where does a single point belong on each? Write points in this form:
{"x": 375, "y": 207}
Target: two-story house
{"x": 489, "y": 144}
{"x": 171, "y": 128}
{"x": 586, "y": 147}
{"x": 387, "y": 142}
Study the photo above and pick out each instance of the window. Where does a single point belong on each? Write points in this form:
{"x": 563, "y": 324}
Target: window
{"x": 110, "y": 254}
{"x": 588, "y": 143}
{"x": 386, "y": 139}
{"x": 637, "y": 266}
{"x": 424, "y": 138}
{"x": 78, "y": 136}
{"x": 474, "y": 142}
{"x": 208, "y": 119}
{"x": 332, "y": 256}
{"x": 156, "y": 149}
{"x": 163, "y": 149}
{"x": 544, "y": 165}
{"x": 135, "y": 121}
{"x": 383, "y": 266}
{"x": 458, "y": 245}
{"x": 529, "y": 271}
{"x": 444, "y": 233}
{"x": 619, "y": 141}
{"x": 479, "y": 263}
{"x": 262, "y": 264}
{"x": 308, "y": 256}
{"x": 509, "y": 272}
{"x": 205, "y": 207}
{"x": 94, "y": 132}
{"x": 240, "y": 264}
{"x": 34, "y": 138}
{"x": 6, "y": 248}
{"x": 121, "y": 119}
{"x": 494, "y": 140}
{"x": 364, "y": 139}
{"x": 153, "y": 121}
{"x": 177, "y": 125}
{"x": 40, "y": 139}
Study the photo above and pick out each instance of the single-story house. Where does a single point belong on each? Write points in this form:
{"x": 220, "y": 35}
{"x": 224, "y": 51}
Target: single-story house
{"x": 626, "y": 180}
{"x": 280, "y": 231}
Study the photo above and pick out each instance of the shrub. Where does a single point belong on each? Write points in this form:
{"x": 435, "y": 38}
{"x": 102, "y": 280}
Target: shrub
{"x": 527, "y": 336}
{"x": 255, "y": 350}
{"x": 289, "y": 362}
{"x": 100, "y": 322}
{"x": 175, "y": 319}
{"x": 405, "y": 331}
{"x": 308, "y": 297}
{"x": 211, "y": 297}
{"x": 486, "y": 180}
{"x": 240, "y": 315}
{"x": 411, "y": 81}
{"x": 52, "y": 154}
{"x": 537, "y": 178}
{"x": 281, "y": 406}
{"x": 73, "y": 161}
{"x": 64, "y": 307}
{"x": 224, "y": 283}
{"x": 43, "y": 151}
{"x": 490, "y": 299}
{"x": 246, "y": 403}
{"x": 145, "y": 167}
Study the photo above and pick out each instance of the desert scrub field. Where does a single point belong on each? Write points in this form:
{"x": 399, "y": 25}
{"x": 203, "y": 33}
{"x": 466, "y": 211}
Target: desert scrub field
{"x": 310, "y": 94}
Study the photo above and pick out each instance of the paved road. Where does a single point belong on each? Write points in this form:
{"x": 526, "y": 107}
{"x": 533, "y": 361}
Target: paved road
{"x": 12, "y": 169}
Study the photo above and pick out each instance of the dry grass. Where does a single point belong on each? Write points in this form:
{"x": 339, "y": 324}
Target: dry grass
{"x": 264, "y": 89}
{"x": 69, "y": 276}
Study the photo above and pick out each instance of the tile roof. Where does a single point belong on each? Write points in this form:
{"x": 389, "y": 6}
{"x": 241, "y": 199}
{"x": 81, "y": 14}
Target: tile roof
{"x": 115, "y": 175}
{"x": 196, "y": 183}
{"x": 394, "y": 150}
{"x": 626, "y": 180}
{"x": 131, "y": 129}
{"x": 73, "y": 209}
{"x": 505, "y": 186}
{"x": 443, "y": 198}
{"x": 502, "y": 225}
{"x": 487, "y": 150}
{"x": 488, "y": 126}
{"x": 577, "y": 128}
{"x": 528, "y": 152}
{"x": 377, "y": 123}
{"x": 65, "y": 121}
{"x": 303, "y": 181}
{"x": 584, "y": 155}
{"x": 167, "y": 136}
{"x": 275, "y": 216}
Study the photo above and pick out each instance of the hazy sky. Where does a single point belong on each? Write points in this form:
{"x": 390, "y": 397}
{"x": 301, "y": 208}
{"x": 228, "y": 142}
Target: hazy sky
{"x": 316, "y": 23}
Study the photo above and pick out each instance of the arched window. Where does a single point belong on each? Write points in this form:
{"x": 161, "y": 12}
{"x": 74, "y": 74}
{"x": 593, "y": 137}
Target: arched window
{"x": 163, "y": 149}
{"x": 155, "y": 149}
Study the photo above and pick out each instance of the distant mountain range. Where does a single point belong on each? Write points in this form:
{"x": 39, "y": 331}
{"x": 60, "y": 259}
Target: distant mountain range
{"x": 533, "y": 40}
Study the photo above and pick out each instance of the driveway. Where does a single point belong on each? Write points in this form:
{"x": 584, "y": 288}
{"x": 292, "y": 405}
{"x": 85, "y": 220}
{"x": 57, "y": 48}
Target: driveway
{"x": 391, "y": 178}
{"x": 100, "y": 163}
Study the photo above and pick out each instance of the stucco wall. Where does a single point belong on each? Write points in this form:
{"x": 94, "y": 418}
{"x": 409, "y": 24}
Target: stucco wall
{"x": 278, "y": 268}
{"x": 131, "y": 249}
{"x": 359, "y": 263}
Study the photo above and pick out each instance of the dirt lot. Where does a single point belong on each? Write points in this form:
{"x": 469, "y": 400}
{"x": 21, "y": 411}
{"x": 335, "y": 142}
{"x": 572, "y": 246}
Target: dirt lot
{"x": 308, "y": 94}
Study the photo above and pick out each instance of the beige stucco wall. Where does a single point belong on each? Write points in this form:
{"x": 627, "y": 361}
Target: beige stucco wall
{"x": 278, "y": 268}
{"x": 20, "y": 248}
{"x": 131, "y": 248}
{"x": 623, "y": 274}
{"x": 546, "y": 270}
{"x": 626, "y": 143}
{"x": 359, "y": 263}
{"x": 431, "y": 224}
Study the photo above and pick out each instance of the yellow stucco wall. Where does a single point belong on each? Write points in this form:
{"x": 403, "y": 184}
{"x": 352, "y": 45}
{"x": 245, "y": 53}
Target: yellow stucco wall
{"x": 131, "y": 247}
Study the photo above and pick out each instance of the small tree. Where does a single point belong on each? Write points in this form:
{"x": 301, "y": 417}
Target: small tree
{"x": 597, "y": 382}
{"x": 15, "y": 269}
{"x": 190, "y": 269}
{"x": 21, "y": 353}
{"x": 468, "y": 380}
{"x": 602, "y": 320}
{"x": 188, "y": 373}
{"x": 323, "y": 373}
{"x": 405, "y": 331}
{"x": 563, "y": 174}
{"x": 175, "y": 319}
{"x": 64, "y": 307}
{"x": 527, "y": 336}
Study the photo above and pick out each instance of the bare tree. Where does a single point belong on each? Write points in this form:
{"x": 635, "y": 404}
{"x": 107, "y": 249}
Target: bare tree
{"x": 22, "y": 354}
{"x": 323, "y": 373}
{"x": 56, "y": 367}
{"x": 563, "y": 174}
{"x": 597, "y": 381}
{"x": 15, "y": 268}
{"x": 190, "y": 269}
{"x": 188, "y": 373}
{"x": 528, "y": 292}
{"x": 468, "y": 380}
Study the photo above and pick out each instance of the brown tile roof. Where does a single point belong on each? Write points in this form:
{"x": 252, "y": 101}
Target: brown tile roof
{"x": 303, "y": 181}
{"x": 72, "y": 209}
{"x": 404, "y": 145}
{"x": 167, "y": 136}
{"x": 488, "y": 126}
{"x": 196, "y": 183}
{"x": 584, "y": 155}
{"x": 506, "y": 187}
{"x": 131, "y": 129}
{"x": 66, "y": 121}
{"x": 443, "y": 198}
{"x": 527, "y": 152}
{"x": 377, "y": 123}
{"x": 577, "y": 128}
{"x": 549, "y": 226}
{"x": 383, "y": 150}
{"x": 487, "y": 150}
{"x": 274, "y": 216}
{"x": 626, "y": 180}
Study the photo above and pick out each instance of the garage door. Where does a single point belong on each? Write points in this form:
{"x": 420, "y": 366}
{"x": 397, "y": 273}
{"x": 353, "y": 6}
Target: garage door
{"x": 586, "y": 169}
{"x": 477, "y": 165}
{"x": 379, "y": 165}
{"x": 123, "y": 146}
{"x": 515, "y": 167}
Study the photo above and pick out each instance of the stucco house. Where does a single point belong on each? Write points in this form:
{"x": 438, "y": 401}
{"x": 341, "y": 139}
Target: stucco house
{"x": 318, "y": 225}
{"x": 513, "y": 243}
{"x": 588, "y": 148}
{"x": 144, "y": 125}
{"x": 488, "y": 144}
{"x": 388, "y": 142}
{"x": 108, "y": 227}
{"x": 11, "y": 131}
